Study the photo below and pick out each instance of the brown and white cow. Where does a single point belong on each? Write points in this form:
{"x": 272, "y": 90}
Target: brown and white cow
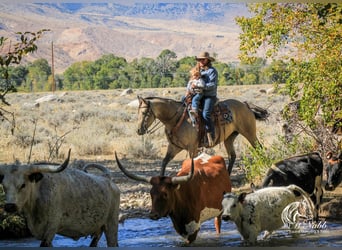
{"x": 333, "y": 171}
{"x": 304, "y": 171}
{"x": 191, "y": 197}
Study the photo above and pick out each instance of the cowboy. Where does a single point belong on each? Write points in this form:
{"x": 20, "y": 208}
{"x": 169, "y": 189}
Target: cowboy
{"x": 208, "y": 98}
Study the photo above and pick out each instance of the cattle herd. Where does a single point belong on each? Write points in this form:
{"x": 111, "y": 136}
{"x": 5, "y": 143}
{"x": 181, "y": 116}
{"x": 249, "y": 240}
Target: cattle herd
{"x": 74, "y": 203}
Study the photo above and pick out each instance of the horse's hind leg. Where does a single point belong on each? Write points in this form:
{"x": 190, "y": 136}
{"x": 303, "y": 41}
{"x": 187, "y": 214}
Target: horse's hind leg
{"x": 172, "y": 150}
{"x": 229, "y": 145}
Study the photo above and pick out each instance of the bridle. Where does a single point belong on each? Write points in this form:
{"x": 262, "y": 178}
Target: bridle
{"x": 146, "y": 115}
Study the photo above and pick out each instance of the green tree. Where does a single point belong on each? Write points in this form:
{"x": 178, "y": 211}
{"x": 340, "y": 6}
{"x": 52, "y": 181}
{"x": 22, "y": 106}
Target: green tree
{"x": 12, "y": 54}
{"x": 38, "y": 74}
{"x": 165, "y": 66}
{"x": 79, "y": 76}
{"x": 308, "y": 37}
{"x": 109, "y": 68}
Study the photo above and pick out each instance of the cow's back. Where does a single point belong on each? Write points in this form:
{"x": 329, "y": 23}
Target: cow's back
{"x": 303, "y": 171}
{"x": 77, "y": 201}
{"x": 263, "y": 208}
{"x": 211, "y": 180}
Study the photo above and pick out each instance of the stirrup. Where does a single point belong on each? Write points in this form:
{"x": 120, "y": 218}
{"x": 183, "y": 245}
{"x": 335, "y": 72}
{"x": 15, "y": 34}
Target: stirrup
{"x": 194, "y": 112}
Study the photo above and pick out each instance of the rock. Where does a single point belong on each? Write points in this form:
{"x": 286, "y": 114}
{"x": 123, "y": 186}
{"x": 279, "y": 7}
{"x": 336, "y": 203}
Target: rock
{"x": 126, "y": 92}
{"x": 47, "y": 98}
{"x": 134, "y": 104}
{"x": 332, "y": 209}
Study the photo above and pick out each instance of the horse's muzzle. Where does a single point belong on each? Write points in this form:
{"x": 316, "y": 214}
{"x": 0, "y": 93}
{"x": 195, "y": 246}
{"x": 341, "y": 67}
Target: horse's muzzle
{"x": 141, "y": 131}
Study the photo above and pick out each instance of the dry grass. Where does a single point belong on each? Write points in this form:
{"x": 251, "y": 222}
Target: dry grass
{"x": 94, "y": 124}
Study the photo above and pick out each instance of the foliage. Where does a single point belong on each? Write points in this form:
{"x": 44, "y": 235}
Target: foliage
{"x": 258, "y": 160}
{"x": 13, "y": 54}
{"x": 113, "y": 72}
{"x": 11, "y": 225}
{"x": 308, "y": 38}
{"x": 146, "y": 149}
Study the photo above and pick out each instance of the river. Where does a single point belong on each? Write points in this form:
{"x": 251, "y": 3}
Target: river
{"x": 144, "y": 232}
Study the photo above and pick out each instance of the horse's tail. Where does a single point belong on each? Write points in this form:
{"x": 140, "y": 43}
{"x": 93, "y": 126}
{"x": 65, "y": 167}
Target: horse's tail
{"x": 259, "y": 113}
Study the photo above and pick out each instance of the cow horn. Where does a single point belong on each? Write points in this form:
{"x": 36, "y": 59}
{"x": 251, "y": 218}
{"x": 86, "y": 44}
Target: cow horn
{"x": 130, "y": 175}
{"x": 182, "y": 179}
{"x": 50, "y": 168}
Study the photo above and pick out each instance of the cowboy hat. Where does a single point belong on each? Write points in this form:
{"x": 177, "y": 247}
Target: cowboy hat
{"x": 204, "y": 55}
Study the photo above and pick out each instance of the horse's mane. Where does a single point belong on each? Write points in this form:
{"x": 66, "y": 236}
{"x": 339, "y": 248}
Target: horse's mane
{"x": 162, "y": 99}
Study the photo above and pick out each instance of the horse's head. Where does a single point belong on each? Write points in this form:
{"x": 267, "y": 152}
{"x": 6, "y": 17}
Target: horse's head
{"x": 145, "y": 116}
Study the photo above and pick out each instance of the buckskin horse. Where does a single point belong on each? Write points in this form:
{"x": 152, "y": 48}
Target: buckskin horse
{"x": 232, "y": 118}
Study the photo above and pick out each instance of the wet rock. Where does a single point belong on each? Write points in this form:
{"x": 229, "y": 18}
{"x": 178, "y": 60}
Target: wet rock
{"x": 332, "y": 209}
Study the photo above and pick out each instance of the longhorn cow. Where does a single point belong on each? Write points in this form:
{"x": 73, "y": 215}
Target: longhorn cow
{"x": 59, "y": 200}
{"x": 191, "y": 197}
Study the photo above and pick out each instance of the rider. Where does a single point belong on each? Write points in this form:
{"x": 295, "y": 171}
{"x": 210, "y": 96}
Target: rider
{"x": 210, "y": 77}
{"x": 194, "y": 89}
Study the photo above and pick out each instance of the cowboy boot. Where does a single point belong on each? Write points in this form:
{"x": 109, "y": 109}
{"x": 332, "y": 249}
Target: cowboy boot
{"x": 210, "y": 140}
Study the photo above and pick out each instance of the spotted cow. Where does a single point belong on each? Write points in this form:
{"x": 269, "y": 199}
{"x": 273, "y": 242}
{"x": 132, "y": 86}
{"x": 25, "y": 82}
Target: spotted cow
{"x": 260, "y": 210}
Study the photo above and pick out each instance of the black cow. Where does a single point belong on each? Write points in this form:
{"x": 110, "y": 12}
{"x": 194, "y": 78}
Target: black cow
{"x": 304, "y": 171}
{"x": 333, "y": 171}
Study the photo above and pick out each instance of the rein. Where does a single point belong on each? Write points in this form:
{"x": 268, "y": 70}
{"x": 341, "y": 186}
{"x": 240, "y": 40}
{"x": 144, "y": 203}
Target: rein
{"x": 154, "y": 128}
{"x": 158, "y": 123}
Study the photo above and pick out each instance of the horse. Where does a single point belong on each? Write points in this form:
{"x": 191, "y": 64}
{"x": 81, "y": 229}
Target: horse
{"x": 182, "y": 135}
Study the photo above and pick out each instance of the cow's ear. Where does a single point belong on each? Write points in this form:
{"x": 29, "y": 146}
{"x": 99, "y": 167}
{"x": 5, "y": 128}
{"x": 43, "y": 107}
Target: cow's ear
{"x": 242, "y": 197}
{"x": 35, "y": 177}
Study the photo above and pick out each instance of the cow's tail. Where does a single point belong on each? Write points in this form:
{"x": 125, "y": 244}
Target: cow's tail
{"x": 98, "y": 166}
{"x": 300, "y": 192}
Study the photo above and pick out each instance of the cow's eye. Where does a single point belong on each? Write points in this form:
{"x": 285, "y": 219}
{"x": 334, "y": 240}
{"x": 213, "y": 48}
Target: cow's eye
{"x": 22, "y": 186}
{"x": 234, "y": 205}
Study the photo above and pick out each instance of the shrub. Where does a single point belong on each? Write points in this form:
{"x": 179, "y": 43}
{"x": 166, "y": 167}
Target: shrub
{"x": 258, "y": 160}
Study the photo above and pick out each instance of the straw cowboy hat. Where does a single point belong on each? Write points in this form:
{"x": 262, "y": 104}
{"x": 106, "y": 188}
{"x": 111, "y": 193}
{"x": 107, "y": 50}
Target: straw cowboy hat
{"x": 204, "y": 55}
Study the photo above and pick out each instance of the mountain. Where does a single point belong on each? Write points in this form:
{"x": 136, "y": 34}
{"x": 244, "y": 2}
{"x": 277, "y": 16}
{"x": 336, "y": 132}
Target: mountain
{"x": 86, "y": 31}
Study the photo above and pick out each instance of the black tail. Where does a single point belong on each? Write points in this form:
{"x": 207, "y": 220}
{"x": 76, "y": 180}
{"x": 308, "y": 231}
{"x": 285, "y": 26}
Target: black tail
{"x": 259, "y": 113}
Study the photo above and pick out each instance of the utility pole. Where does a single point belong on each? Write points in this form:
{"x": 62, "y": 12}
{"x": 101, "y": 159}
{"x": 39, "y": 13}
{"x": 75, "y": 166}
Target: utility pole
{"x": 53, "y": 85}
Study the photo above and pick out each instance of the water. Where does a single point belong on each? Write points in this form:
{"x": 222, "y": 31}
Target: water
{"x": 149, "y": 233}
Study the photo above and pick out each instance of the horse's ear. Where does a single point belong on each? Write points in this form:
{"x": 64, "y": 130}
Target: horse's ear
{"x": 141, "y": 99}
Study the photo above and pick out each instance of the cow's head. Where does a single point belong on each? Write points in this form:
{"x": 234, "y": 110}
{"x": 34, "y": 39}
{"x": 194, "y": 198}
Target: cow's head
{"x": 232, "y": 205}
{"x": 18, "y": 181}
{"x": 162, "y": 191}
{"x": 333, "y": 171}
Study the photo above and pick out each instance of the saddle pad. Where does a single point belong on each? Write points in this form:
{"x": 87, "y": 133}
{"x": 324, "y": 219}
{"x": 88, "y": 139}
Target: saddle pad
{"x": 223, "y": 113}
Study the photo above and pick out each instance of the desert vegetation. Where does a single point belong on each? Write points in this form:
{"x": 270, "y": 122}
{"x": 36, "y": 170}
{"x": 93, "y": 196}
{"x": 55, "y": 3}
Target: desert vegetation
{"x": 42, "y": 126}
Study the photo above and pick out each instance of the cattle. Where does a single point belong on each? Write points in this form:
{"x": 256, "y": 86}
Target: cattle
{"x": 260, "y": 210}
{"x": 59, "y": 200}
{"x": 191, "y": 197}
{"x": 333, "y": 171}
{"x": 304, "y": 171}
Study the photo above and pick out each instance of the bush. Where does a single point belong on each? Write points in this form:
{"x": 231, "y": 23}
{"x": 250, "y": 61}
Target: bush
{"x": 11, "y": 225}
{"x": 258, "y": 160}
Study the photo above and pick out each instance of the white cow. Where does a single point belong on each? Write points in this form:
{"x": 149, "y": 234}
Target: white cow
{"x": 260, "y": 210}
{"x": 66, "y": 201}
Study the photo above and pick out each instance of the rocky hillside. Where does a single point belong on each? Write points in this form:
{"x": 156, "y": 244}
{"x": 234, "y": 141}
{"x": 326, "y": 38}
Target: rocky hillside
{"x": 85, "y": 31}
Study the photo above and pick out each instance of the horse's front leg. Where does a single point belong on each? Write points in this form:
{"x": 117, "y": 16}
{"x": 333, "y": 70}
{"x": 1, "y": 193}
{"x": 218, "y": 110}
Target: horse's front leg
{"x": 172, "y": 150}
